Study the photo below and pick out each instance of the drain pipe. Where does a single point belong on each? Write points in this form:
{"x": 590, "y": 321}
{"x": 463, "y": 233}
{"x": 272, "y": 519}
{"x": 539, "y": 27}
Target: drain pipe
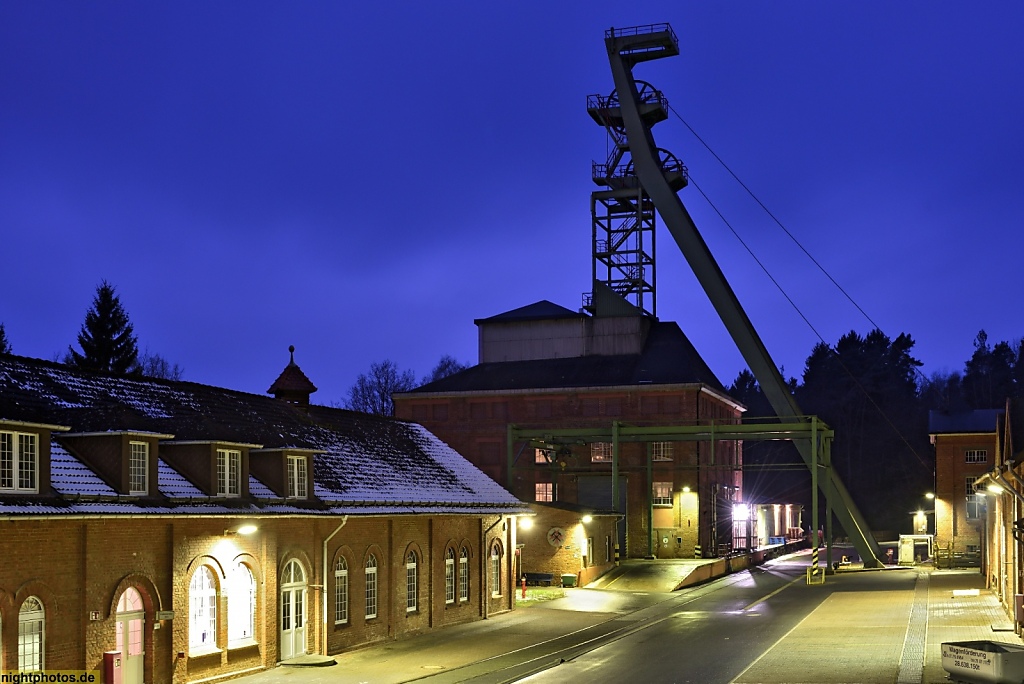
{"x": 485, "y": 558}
{"x": 323, "y": 577}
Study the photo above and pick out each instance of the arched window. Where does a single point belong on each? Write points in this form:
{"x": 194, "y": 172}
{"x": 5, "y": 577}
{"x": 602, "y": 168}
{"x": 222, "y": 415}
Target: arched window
{"x": 241, "y": 604}
{"x": 341, "y": 591}
{"x": 496, "y": 569}
{"x": 202, "y": 610}
{"x": 463, "y": 575}
{"x": 411, "y": 583}
{"x": 449, "y": 576}
{"x": 31, "y": 635}
{"x": 130, "y": 601}
{"x": 371, "y": 587}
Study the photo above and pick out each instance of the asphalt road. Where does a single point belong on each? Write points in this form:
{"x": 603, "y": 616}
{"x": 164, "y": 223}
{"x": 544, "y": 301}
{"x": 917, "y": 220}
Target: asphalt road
{"x": 709, "y": 634}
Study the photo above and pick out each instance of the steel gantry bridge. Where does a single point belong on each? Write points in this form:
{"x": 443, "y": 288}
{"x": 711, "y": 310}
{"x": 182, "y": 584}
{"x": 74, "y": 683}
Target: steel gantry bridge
{"x": 638, "y": 177}
{"x": 806, "y": 429}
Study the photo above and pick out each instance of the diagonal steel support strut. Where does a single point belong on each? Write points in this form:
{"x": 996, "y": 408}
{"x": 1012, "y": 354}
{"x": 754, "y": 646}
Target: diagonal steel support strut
{"x": 626, "y": 47}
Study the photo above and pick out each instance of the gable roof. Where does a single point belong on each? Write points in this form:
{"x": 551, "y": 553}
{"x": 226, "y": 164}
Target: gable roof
{"x": 668, "y": 357}
{"x": 979, "y": 420}
{"x": 369, "y": 464}
{"x": 533, "y": 312}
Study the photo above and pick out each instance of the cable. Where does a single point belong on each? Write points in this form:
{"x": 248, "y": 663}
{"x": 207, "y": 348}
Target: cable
{"x": 863, "y": 389}
{"x": 777, "y": 221}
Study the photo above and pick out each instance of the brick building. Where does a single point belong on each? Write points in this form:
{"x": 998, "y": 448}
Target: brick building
{"x": 965, "y": 447}
{"x": 204, "y": 533}
{"x": 545, "y": 367}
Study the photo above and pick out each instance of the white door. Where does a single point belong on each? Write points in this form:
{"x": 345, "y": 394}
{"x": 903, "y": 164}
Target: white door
{"x": 131, "y": 620}
{"x": 293, "y": 611}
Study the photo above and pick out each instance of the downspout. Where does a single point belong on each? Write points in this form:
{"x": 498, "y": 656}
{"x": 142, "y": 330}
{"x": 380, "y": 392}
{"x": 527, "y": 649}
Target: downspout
{"x": 344, "y": 520}
{"x": 484, "y": 558}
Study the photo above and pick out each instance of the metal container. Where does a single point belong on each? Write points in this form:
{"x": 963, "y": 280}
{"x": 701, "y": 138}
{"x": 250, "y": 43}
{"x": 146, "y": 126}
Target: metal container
{"x": 983, "y": 662}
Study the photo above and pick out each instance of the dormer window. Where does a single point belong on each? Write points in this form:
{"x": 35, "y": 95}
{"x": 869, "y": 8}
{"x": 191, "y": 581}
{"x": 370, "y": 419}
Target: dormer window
{"x": 138, "y": 468}
{"x": 297, "y": 477}
{"x": 229, "y": 472}
{"x": 19, "y": 462}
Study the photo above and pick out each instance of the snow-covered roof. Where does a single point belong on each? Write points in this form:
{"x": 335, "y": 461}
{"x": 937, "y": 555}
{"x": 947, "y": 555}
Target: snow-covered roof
{"x": 368, "y": 465}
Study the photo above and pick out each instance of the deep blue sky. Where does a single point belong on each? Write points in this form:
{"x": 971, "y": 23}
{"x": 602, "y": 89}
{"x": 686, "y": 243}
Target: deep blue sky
{"x": 364, "y": 180}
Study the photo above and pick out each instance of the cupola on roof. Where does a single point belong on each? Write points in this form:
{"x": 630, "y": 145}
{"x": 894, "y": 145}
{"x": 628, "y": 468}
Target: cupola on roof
{"x": 292, "y": 385}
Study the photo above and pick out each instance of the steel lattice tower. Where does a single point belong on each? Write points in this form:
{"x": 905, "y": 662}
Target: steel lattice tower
{"x": 622, "y": 214}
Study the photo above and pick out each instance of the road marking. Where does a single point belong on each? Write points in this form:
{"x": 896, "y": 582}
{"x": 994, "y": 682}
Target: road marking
{"x": 765, "y": 598}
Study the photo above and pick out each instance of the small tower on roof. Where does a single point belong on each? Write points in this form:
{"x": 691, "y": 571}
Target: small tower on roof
{"x": 292, "y": 385}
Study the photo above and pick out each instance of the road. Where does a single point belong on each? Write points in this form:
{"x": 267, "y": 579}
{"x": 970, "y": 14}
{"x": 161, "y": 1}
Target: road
{"x": 706, "y": 634}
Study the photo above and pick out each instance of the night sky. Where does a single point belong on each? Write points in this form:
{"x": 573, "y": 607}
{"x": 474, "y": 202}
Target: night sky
{"x": 363, "y": 180}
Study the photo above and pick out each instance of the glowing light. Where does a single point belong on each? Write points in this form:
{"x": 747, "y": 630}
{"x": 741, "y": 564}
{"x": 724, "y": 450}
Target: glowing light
{"x": 525, "y": 523}
{"x": 587, "y": 519}
{"x": 929, "y": 496}
{"x": 995, "y": 489}
{"x": 247, "y": 529}
{"x": 740, "y": 511}
{"x": 686, "y": 489}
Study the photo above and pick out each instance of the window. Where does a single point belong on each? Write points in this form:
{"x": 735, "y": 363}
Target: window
{"x": 341, "y": 591}
{"x": 241, "y": 604}
{"x": 410, "y": 582}
{"x": 31, "y": 633}
{"x": 544, "y": 491}
{"x": 229, "y": 471}
{"x": 449, "y": 576}
{"x": 19, "y": 461}
{"x": 590, "y": 551}
{"x": 540, "y": 456}
{"x": 371, "y": 587}
{"x": 661, "y": 451}
{"x": 974, "y": 500}
{"x": 661, "y": 494}
{"x": 297, "y": 477}
{"x": 138, "y": 468}
{"x": 601, "y": 452}
{"x": 496, "y": 569}
{"x": 202, "y": 611}
{"x": 975, "y": 456}
{"x": 463, "y": 575}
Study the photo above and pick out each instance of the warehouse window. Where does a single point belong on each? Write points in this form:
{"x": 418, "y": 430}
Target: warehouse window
{"x": 31, "y": 635}
{"x": 341, "y": 591}
{"x": 661, "y": 494}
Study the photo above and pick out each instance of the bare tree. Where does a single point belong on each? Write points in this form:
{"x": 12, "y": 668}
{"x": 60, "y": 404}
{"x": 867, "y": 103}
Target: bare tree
{"x": 372, "y": 391}
{"x": 155, "y": 366}
{"x": 445, "y": 367}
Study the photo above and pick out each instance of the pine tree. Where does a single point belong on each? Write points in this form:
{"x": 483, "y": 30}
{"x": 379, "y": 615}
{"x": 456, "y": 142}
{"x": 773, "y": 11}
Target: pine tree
{"x": 107, "y": 339}
{"x": 5, "y": 345}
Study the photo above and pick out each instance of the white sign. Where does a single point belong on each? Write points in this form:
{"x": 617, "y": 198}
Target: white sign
{"x": 962, "y": 659}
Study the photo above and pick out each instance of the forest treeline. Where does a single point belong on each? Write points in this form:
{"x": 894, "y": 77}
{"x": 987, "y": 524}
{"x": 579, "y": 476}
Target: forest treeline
{"x": 869, "y": 389}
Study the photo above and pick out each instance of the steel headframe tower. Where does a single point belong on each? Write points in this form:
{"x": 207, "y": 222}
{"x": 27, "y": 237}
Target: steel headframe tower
{"x": 633, "y": 109}
{"x": 622, "y": 213}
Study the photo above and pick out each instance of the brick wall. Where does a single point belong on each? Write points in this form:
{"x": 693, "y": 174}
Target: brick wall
{"x": 476, "y": 427}
{"x": 80, "y": 568}
{"x": 952, "y": 524}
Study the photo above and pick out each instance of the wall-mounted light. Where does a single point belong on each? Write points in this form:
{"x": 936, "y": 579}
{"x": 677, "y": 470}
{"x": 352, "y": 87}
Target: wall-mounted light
{"x": 995, "y": 489}
{"x": 244, "y": 529}
{"x": 686, "y": 489}
{"x": 525, "y": 523}
{"x": 929, "y": 496}
{"x": 587, "y": 519}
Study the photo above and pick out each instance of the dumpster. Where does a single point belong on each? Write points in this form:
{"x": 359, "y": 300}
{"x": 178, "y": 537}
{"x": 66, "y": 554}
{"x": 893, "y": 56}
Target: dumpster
{"x": 983, "y": 662}
{"x": 568, "y": 580}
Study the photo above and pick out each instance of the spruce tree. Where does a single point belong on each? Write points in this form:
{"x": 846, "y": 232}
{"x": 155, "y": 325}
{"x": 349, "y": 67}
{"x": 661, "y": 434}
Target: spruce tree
{"x": 5, "y": 345}
{"x": 107, "y": 339}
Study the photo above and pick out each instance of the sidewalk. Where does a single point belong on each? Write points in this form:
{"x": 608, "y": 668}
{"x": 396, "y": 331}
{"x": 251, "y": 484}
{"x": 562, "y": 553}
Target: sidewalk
{"x": 893, "y": 635}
